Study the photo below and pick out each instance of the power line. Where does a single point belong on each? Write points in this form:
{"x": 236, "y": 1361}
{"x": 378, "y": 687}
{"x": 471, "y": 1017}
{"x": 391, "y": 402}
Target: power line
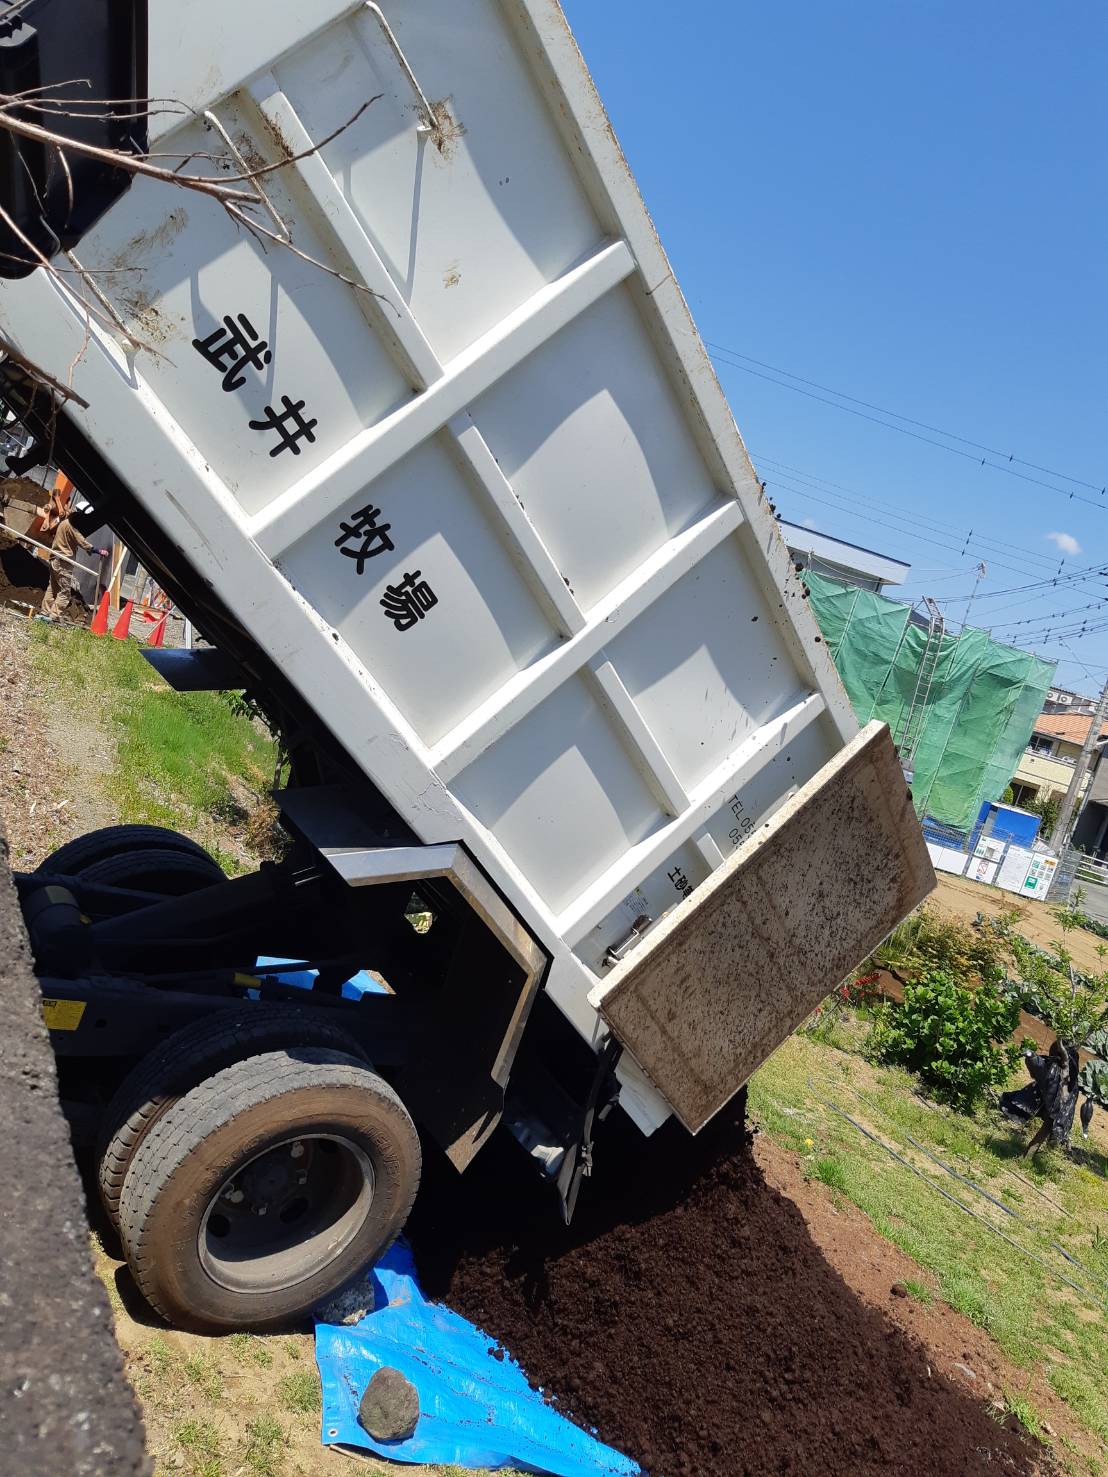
{"x": 932, "y": 523}
{"x": 1051, "y": 619}
{"x": 915, "y": 435}
{"x": 804, "y": 492}
{"x": 926, "y": 538}
{"x": 720, "y": 350}
{"x": 1078, "y": 576}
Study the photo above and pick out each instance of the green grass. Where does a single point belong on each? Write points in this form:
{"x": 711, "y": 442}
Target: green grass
{"x": 161, "y": 1355}
{"x": 1020, "y": 1303}
{"x": 299, "y": 1392}
{"x": 918, "y": 1291}
{"x": 831, "y": 1172}
{"x": 179, "y": 757}
{"x": 199, "y": 1441}
{"x": 263, "y": 1453}
{"x": 249, "y": 1349}
{"x": 205, "y": 1374}
{"x": 1026, "y": 1414}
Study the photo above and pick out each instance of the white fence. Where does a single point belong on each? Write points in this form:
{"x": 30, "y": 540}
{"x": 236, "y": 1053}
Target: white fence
{"x": 1019, "y": 869}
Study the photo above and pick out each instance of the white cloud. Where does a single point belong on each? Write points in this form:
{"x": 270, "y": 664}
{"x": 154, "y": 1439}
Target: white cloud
{"x": 808, "y": 523}
{"x": 1065, "y": 542}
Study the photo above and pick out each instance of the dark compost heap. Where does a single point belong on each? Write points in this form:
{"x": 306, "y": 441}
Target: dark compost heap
{"x": 688, "y": 1316}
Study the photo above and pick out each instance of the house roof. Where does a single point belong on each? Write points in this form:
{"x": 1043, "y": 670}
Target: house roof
{"x": 854, "y": 557}
{"x": 1072, "y": 727}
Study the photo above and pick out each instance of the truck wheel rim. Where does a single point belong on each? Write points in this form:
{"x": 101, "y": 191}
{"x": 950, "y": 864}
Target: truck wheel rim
{"x": 286, "y": 1214}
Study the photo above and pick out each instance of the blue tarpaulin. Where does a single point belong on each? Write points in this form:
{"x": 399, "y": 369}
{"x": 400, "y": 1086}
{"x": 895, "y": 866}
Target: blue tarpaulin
{"x": 476, "y": 1407}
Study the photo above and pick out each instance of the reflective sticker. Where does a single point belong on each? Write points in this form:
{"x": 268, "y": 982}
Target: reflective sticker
{"x": 63, "y": 1015}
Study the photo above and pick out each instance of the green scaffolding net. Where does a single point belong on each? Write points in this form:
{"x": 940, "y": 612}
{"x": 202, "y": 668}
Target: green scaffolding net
{"x": 981, "y": 701}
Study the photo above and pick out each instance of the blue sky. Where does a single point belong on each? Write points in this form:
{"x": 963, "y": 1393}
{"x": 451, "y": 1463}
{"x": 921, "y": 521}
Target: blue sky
{"x": 905, "y": 201}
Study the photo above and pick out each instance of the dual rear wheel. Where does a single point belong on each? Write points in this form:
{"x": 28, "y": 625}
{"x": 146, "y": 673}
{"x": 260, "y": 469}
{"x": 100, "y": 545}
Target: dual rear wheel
{"x": 254, "y": 1161}
{"x": 267, "y": 1187}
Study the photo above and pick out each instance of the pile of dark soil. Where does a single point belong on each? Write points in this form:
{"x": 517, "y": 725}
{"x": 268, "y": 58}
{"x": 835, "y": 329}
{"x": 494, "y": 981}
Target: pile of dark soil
{"x": 689, "y": 1318}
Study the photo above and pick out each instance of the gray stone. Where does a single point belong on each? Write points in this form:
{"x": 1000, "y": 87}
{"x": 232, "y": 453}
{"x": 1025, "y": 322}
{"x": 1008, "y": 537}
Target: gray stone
{"x": 390, "y": 1406}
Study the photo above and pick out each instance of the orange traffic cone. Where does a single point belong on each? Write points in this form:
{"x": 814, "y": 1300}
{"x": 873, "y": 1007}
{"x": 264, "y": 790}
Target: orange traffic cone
{"x": 99, "y": 625}
{"x": 157, "y": 637}
{"x": 123, "y": 624}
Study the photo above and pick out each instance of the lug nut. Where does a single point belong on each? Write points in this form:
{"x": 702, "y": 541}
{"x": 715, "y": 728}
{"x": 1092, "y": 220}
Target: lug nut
{"x": 297, "y": 1150}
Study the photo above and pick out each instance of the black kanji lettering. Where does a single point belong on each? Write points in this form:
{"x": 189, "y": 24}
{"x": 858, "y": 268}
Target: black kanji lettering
{"x": 363, "y": 525}
{"x": 408, "y": 601}
{"x": 289, "y": 424}
{"x": 232, "y": 347}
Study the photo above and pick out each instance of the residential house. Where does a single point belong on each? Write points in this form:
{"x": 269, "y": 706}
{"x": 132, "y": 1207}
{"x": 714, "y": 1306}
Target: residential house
{"x": 1046, "y": 767}
{"x": 1062, "y": 700}
{"x": 850, "y": 564}
{"x": 1091, "y": 831}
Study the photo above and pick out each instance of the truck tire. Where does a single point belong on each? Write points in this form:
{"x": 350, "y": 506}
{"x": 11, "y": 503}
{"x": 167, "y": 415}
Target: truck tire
{"x": 74, "y": 856}
{"x": 156, "y": 869}
{"x": 266, "y": 1188}
{"x": 185, "y": 1059}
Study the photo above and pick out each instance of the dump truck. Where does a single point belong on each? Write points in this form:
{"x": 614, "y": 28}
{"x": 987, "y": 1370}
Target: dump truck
{"x": 350, "y": 320}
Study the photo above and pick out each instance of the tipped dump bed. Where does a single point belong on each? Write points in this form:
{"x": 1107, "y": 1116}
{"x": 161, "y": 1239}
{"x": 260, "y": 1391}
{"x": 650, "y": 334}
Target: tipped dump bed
{"x": 487, "y": 507}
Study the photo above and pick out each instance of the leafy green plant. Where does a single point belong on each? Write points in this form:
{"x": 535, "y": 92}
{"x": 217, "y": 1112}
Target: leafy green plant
{"x": 1093, "y": 1081}
{"x": 1073, "y": 1005}
{"x": 1047, "y": 807}
{"x": 955, "y": 1038}
{"x": 245, "y": 706}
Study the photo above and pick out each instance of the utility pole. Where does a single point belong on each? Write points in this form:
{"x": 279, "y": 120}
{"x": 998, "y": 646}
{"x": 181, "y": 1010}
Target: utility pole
{"x": 1067, "y": 814}
{"x": 982, "y": 571}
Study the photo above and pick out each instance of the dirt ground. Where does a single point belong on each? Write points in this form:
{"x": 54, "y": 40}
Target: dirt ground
{"x": 47, "y": 754}
{"x": 872, "y": 1266}
{"x": 958, "y": 897}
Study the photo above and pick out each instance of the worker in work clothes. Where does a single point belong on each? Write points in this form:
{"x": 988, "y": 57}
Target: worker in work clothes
{"x": 63, "y": 596}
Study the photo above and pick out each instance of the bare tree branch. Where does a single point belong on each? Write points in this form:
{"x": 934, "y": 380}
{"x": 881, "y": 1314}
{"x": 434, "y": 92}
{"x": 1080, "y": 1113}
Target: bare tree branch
{"x": 238, "y": 203}
{"x": 138, "y": 164}
{"x": 40, "y": 376}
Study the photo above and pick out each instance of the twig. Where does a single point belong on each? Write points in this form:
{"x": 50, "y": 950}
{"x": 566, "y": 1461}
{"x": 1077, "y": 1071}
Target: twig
{"x": 136, "y": 164}
{"x": 64, "y": 162}
{"x": 107, "y": 320}
{"x": 238, "y": 214}
{"x": 40, "y": 375}
{"x": 234, "y": 201}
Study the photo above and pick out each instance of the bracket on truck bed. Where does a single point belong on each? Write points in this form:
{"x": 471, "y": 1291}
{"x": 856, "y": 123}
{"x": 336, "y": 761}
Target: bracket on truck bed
{"x": 456, "y": 1090}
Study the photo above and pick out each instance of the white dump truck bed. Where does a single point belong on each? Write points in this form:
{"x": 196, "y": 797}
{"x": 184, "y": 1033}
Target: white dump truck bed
{"x": 467, "y": 475}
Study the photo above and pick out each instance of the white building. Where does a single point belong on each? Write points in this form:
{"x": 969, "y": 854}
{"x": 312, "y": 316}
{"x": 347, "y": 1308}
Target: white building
{"x": 850, "y": 563}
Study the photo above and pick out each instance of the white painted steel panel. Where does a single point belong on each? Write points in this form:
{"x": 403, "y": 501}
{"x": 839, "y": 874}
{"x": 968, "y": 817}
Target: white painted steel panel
{"x": 488, "y": 507}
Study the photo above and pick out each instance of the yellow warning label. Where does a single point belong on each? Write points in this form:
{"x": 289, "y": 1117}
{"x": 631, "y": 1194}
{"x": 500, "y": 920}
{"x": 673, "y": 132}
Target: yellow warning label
{"x": 63, "y": 1015}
